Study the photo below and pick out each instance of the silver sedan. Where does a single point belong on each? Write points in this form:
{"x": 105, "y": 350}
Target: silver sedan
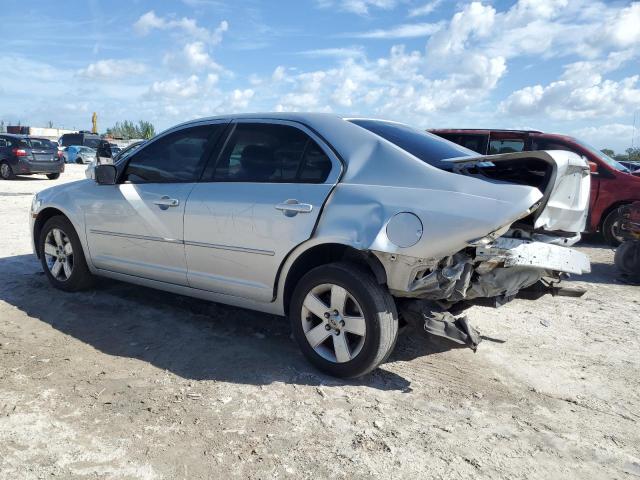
{"x": 334, "y": 222}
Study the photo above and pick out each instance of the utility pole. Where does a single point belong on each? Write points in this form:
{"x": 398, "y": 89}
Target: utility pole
{"x": 633, "y": 133}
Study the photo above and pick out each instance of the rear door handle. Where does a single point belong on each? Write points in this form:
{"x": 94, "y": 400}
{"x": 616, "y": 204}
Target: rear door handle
{"x": 165, "y": 202}
{"x": 292, "y": 207}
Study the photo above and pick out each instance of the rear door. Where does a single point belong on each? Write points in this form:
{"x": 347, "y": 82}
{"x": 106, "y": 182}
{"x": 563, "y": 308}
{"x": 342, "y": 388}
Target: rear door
{"x": 256, "y": 203}
{"x": 136, "y": 226}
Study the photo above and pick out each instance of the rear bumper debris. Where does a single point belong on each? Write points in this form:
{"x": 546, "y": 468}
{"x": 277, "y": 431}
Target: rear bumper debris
{"x": 497, "y": 271}
{"x": 441, "y": 323}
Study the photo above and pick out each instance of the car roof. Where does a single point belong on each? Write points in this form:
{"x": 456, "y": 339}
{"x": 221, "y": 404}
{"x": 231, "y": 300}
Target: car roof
{"x": 15, "y": 135}
{"x": 481, "y": 130}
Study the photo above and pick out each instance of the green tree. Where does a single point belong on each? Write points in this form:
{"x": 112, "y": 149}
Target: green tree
{"x": 633, "y": 154}
{"x": 128, "y": 130}
{"x": 608, "y": 152}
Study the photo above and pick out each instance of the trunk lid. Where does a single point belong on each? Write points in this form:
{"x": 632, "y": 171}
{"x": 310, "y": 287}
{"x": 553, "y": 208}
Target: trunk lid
{"x": 42, "y": 150}
{"x": 562, "y": 177}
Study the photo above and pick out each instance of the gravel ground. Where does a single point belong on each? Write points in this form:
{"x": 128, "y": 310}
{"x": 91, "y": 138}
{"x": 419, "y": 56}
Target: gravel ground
{"x": 125, "y": 382}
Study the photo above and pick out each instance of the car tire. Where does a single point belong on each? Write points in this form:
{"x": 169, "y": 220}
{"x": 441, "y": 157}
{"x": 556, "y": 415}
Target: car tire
{"x": 6, "y": 172}
{"x": 53, "y": 176}
{"x": 62, "y": 257}
{"x": 609, "y": 228}
{"x": 627, "y": 258}
{"x": 350, "y": 349}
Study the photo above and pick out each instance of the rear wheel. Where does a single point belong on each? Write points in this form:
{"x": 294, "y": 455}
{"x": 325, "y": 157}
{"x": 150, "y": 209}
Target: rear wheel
{"x": 345, "y": 323}
{"x": 6, "y": 172}
{"x": 627, "y": 258}
{"x": 53, "y": 176}
{"x": 62, "y": 257}
{"x": 611, "y": 228}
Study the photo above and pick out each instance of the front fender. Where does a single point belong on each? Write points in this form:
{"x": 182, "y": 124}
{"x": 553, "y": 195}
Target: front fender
{"x": 63, "y": 198}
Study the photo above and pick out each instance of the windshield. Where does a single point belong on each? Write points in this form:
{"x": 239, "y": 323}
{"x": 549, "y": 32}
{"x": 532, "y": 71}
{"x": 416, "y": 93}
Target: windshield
{"x": 427, "y": 147}
{"x": 86, "y": 150}
{"x": 603, "y": 156}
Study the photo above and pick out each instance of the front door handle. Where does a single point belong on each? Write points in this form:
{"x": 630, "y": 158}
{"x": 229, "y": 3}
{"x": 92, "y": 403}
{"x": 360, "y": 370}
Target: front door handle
{"x": 292, "y": 207}
{"x": 165, "y": 202}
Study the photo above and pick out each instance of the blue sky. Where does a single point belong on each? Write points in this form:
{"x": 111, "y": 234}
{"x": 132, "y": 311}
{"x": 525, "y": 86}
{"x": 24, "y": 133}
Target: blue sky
{"x": 568, "y": 66}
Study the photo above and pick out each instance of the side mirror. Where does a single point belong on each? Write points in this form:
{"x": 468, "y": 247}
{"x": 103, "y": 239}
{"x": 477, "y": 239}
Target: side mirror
{"x": 103, "y": 153}
{"x": 593, "y": 168}
{"x": 106, "y": 174}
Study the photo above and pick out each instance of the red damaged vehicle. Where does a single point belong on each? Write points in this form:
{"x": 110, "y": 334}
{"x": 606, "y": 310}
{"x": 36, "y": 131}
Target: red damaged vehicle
{"x": 612, "y": 184}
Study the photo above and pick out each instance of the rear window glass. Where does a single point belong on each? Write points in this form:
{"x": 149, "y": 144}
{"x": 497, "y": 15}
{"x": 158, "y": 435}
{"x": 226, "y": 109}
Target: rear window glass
{"x": 427, "y": 147}
{"x": 41, "y": 143}
{"x": 91, "y": 142}
{"x": 506, "y": 146}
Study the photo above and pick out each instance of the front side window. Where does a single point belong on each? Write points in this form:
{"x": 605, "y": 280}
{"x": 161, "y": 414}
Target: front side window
{"x": 175, "y": 157}
{"x": 270, "y": 153}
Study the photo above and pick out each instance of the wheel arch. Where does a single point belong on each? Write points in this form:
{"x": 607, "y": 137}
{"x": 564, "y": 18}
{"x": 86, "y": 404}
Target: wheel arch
{"x": 322, "y": 254}
{"x": 44, "y": 215}
{"x": 614, "y": 206}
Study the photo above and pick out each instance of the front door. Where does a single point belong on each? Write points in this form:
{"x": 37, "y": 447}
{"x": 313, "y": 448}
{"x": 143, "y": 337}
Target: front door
{"x": 136, "y": 227}
{"x": 255, "y": 204}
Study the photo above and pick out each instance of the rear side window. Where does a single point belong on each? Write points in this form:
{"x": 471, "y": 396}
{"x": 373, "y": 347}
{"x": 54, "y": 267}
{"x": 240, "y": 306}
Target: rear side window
{"x": 270, "y": 153}
{"x": 174, "y": 158}
{"x": 429, "y": 148}
{"x": 506, "y": 146}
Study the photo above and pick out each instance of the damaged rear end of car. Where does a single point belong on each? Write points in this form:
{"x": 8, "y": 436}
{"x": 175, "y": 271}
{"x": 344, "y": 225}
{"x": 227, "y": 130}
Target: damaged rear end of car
{"x": 474, "y": 230}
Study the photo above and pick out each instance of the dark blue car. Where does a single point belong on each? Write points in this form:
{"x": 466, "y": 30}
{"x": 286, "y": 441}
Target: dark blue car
{"x": 24, "y": 155}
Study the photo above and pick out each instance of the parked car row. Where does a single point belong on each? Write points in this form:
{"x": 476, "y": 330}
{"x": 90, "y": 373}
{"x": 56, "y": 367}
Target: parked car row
{"x": 344, "y": 225}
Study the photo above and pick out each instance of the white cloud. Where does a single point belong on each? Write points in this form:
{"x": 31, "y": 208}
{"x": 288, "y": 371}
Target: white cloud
{"x": 617, "y": 136}
{"x": 409, "y": 30}
{"x": 360, "y": 7}
{"x": 193, "y": 56}
{"x": 342, "y": 52}
{"x": 111, "y": 68}
{"x": 425, "y": 9}
{"x": 150, "y": 21}
{"x": 473, "y": 24}
{"x": 580, "y": 93}
{"x": 175, "y": 88}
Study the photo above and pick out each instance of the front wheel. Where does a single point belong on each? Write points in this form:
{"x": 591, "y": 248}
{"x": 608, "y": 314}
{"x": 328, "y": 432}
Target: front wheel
{"x": 62, "y": 257}
{"x": 345, "y": 323}
{"x": 53, "y": 176}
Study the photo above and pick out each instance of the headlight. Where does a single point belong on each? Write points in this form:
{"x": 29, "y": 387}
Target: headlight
{"x": 35, "y": 203}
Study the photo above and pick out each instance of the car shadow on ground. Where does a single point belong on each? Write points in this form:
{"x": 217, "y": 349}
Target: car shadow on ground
{"x": 192, "y": 338}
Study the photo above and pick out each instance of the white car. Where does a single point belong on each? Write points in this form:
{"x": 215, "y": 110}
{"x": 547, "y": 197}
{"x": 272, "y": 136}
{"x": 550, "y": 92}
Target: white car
{"x": 330, "y": 221}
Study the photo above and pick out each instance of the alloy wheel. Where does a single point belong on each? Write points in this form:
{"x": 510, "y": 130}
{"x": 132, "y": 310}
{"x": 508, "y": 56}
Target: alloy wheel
{"x": 58, "y": 253}
{"x": 5, "y": 170}
{"x": 333, "y": 323}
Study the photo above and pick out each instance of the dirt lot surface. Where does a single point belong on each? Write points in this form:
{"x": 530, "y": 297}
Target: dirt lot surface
{"x": 124, "y": 382}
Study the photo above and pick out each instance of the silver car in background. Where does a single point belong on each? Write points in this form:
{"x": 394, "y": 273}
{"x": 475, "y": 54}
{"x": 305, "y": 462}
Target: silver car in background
{"x": 336, "y": 223}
